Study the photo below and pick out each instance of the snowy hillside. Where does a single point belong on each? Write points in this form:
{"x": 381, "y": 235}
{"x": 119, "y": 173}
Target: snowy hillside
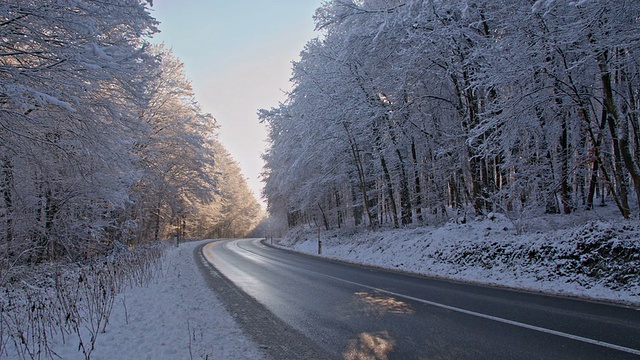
{"x": 595, "y": 259}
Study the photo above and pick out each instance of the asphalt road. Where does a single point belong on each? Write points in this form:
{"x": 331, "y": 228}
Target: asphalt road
{"x": 355, "y": 312}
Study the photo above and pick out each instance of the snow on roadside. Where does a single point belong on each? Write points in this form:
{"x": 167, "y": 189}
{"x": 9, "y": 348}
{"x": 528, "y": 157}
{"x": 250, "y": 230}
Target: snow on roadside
{"x": 176, "y": 316}
{"x": 590, "y": 259}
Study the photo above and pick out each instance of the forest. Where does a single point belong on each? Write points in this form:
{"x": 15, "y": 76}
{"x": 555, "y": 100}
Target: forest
{"x": 410, "y": 112}
{"x": 106, "y": 160}
{"x": 102, "y": 143}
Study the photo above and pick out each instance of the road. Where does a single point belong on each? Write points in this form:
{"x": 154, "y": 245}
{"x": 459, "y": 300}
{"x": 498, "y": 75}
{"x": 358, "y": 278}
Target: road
{"x": 355, "y": 312}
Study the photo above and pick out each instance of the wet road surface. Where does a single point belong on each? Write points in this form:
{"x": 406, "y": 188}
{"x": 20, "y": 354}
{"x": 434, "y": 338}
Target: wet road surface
{"x": 354, "y": 312}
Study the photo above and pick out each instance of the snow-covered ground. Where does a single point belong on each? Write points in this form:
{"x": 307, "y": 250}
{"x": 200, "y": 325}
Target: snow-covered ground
{"x": 176, "y": 316}
{"x": 582, "y": 255}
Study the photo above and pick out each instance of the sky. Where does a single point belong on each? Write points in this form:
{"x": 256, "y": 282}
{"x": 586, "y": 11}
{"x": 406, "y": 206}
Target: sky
{"x": 238, "y": 56}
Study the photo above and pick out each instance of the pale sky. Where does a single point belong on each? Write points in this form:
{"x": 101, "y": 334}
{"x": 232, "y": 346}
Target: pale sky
{"x": 237, "y": 54}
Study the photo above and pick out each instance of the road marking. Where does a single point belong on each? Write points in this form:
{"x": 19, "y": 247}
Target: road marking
{"x": 495, "y": 318}
{"x": 473, "y": 313}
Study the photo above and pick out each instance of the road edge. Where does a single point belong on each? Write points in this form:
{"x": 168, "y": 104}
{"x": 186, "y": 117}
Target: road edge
{"x": 620, "y": 303}
{"x": 275, "y": 338}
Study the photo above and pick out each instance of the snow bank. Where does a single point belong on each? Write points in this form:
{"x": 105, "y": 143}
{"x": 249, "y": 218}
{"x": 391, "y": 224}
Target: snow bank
{"x": 596, "y": 259}
{"x": 176, "y": 317}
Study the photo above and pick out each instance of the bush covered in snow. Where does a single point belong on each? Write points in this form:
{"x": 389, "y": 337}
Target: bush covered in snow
{"x": 597, "y": 252}
{"x": 72, "y": 302}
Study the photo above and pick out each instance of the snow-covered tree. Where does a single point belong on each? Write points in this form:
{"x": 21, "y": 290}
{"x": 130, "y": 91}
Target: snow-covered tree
{"x": 234, "y": 211}
{"x": 409, "y": 108}
{"x": 71, "y": 87}
{"x": 176, "y": 162}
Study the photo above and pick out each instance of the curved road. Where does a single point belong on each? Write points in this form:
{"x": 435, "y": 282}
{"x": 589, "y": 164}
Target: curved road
{"x": 356, "y": 312}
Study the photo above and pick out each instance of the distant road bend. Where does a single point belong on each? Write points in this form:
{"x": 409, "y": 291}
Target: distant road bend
{"x": 354, "y": 312}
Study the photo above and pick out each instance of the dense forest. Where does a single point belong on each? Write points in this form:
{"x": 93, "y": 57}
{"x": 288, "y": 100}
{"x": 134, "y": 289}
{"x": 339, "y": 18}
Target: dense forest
{"x": 101, "y": 140}
{"x": 416, "y": 111}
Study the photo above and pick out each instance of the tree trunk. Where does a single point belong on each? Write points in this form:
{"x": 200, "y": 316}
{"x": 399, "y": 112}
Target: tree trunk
{"x": 355, "y": 152}
{"x": 565, "y": 153}
{"x": 478, "y": 185}
{"x": 324, "y": 218}
{"x": 7, "y": 185}
{"x": 336, "y": 193}
{"x": 405, "y": 194}
{"x": 416, "y": 175}
{"x": 600, "y": 159}
{"x": 621, "y": 147}
{"x": 596, "y": 163}
{"x": 631, "y": 135}
{"x": 389, "y": 186}
{"x": 357, "y": 209}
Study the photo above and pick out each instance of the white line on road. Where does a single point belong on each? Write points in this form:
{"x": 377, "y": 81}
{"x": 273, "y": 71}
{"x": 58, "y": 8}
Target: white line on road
{"x": 498, "y": 319}
{"x": 477, "y": 314}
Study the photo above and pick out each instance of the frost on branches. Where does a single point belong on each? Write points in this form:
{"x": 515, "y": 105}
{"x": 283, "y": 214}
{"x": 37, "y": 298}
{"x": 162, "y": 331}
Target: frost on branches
{"x": 102, "y": 140}
{"x": 70, "y": 93}
{"x": 413, "y": 112}
{"x": 104, "y": 152}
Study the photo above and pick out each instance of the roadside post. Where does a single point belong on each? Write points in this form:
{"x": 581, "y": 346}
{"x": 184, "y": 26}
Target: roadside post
{"x": 319, "y": 243}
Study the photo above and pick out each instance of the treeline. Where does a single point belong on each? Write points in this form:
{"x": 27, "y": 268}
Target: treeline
{"x": 408, "y": 111}
{"x": 101, "y": 140}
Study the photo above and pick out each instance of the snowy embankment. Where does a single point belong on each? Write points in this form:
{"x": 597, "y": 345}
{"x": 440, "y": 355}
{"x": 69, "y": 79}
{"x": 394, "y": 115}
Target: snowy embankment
{"x": 175, "y": 315}
{"x": 594, "y": 259}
